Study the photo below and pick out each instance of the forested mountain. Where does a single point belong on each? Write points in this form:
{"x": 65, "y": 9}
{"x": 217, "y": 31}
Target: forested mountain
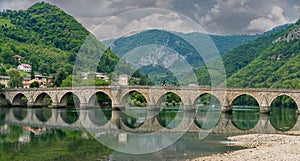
{"x": 237, "y": 50}
{"x": 275, "y": 63}
{"x": 223, "y": 43}
{"x": 48, "y": 39}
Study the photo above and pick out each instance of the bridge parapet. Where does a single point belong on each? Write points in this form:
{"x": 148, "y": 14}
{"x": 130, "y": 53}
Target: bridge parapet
{"x": 152, "y": 94}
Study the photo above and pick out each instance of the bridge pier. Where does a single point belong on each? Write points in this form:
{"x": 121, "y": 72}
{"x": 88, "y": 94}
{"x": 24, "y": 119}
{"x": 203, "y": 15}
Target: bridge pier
{"x": 264, "y": 109}
{"x": 116, "y": 117}
{"x": 226, "y": 109}
{"x": 83, "y": 105}
{"x": 189, "y": 108}
{"x": 55, "y": 105}
{"x": 30, "y": 104}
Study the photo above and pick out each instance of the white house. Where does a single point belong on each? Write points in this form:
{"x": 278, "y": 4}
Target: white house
{"x": 24, "y": 67}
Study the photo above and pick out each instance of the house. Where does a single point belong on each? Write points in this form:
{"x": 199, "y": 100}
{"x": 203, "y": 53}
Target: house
{"x": 18, "y": 57}
{"x": 4, "y": 80}
{"x": 24, "y": 67}
{"x": 102, "y": 76}
{"x": 27, "y": 82}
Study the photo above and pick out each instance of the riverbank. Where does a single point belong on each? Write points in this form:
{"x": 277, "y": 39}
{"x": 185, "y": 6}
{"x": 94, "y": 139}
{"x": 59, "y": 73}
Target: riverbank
{"x": 261, "y": 147}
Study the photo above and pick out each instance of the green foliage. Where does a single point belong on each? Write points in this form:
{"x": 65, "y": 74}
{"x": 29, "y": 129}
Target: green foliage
{"x": 16, "y": 80}
{"x": 171, "y": 100}
{"x": 2, "y": 86}
{"x": 137, "y": 99}
{"x": 60, "y": 76}
{"x": 261, "y": 63}
{"x": 50, "y": 40}
{"x": 5, "y": 23}
{"x": 275, "y": 65}
{"x": 34, "y": 84}
{"x": 3, "y": 71}
{"x": 72, "y": 80}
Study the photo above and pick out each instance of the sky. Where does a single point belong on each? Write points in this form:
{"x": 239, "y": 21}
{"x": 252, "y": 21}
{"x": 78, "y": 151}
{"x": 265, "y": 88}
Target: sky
{"x": 220, "y": 17}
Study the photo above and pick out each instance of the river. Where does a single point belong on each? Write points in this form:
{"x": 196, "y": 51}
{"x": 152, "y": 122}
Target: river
{"x": 32, "y": 134}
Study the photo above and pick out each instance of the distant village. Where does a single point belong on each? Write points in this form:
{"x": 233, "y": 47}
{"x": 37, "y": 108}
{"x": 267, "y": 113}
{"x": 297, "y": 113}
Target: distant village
{"x": 43, "y": 81}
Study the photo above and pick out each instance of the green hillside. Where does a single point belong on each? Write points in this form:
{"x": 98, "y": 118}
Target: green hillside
{"x": 275, "y": 64}
{"x": 48, "y": 39}
{"x": 175, "y": 41}
{"x": 178, "y": 43}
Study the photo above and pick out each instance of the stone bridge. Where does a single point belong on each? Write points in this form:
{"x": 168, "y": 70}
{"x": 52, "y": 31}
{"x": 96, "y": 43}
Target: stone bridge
{"x": 153, "y": 95}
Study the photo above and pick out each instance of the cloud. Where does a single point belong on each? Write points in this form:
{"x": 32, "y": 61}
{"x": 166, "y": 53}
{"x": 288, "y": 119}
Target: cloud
{"x": 216, "y": 16}
{"x": 144, "y": 19}
{"x": 246, "y": 16}
{"x": 273, "y": 19}
{"x": 16, "y": 4}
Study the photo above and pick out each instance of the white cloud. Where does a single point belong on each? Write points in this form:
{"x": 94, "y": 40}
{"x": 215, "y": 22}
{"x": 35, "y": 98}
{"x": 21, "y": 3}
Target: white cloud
{"x": 273, "y": 19}
{"x": 216, "y": 16}
{"x": 166, "y": 4}
{"x": 132, "y": 22}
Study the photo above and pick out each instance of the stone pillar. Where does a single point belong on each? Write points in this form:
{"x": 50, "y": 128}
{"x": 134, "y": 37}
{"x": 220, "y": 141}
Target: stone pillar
{"x": 30, "y": 104}
{"x": 116, "y": 118}
{"x": 224, "y": 119}
{"x": 83, "y": 105}
{"x": 151, "y": 105}
{"x": 115, "y": 92}
{"x": 188, "y": 106}
{"x": 264, "y": 107}
{"x": 55, "y": 104}
{"x": 226, "y": 107}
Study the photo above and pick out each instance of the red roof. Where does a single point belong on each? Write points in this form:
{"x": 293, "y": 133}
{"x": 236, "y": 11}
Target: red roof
{"x": 26, "y": 65}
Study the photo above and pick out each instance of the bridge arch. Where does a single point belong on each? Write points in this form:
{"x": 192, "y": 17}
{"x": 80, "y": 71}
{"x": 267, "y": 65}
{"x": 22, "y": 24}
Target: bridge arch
{"x": 283, "y": 112}
{"x": 106, "y": 102}
{"x": 43, "y": 99}
{"x": 164, "y": 95}
{"x": 195, "y": 101}
{"x": 19, "y": 99}
{"x": 204, "y": 117}
{"x": 284, "y": 94}
{"x": 71, "y": 97}
{"x": 125, "y": 96}
{"x": 243, "y": 94}
{"x": 4, "y": 102}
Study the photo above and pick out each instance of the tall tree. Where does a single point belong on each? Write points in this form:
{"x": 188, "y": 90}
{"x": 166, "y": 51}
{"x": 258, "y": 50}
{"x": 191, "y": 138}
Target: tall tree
{"x": 16, "y": 80}
{"x": 60, "y": 76}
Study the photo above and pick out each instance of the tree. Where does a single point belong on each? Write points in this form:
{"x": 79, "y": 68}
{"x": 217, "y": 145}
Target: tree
{"x": 34, "y": 84}
{"x": 16, "y": 80}
{"x": 61, "y": 75}
{"x": 32, "y": 76}
{"x": 2, "y": 86}
{"x": 2, "y": 71}
{"x": 67, "y": 82}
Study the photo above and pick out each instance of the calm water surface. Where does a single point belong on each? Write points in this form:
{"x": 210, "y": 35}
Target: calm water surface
{"x": 26, "y": 136}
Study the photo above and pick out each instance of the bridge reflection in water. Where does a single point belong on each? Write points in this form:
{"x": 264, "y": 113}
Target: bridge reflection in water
{"x": 241, "y": 121}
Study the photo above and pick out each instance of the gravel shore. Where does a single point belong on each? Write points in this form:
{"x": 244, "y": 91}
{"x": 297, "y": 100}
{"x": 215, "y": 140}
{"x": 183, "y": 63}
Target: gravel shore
{"x": 261, "y": 147}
